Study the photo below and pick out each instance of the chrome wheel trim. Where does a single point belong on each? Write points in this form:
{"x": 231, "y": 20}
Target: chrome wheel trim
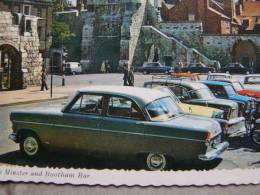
{"x": 256, "y": 137}
{"x": 156, "y": 162}
{"x": 30, "y": 146}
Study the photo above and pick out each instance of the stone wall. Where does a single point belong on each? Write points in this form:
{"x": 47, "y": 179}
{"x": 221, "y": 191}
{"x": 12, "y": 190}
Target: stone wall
{"x": 170, "y": 50}
{"x": 220, "y": 47}
{"x": 26, "y": 45}
{"x": 187, "y": 32}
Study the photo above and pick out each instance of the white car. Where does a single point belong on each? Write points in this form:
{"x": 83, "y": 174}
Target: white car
{"x": 217, "y": 76}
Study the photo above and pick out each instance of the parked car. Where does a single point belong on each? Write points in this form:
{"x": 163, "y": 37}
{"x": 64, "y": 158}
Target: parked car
{"x": 189, "y": 76}
{"x": 239, "y": 88}
{"x": 133, "y": 122}
{"x": 197, "y": 68}
{"x": 247, "y": 105}
{"x": 72, "y": 68}
{"x": 155, "y": 67}
{"x": 235, "y": 68}
{"x": 216, "y": 76}
{"x": 194, "y": 109}
{"x": 252, "y": 82}
{"x": 191, "y": 92}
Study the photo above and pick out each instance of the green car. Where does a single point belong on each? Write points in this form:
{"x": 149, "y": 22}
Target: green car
{"x": 133, "y": 122}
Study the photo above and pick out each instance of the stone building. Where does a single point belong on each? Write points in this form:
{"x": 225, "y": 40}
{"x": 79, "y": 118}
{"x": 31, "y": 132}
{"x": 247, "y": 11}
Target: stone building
{"x": 42, "y": 9}
{"x": 25, "y": 37}
{"x": 111, "y": 30}
{"x": 20, "y": 58}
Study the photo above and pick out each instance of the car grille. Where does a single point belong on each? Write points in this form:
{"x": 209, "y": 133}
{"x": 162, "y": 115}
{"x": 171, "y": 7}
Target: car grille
{"x": 234, "y": 113}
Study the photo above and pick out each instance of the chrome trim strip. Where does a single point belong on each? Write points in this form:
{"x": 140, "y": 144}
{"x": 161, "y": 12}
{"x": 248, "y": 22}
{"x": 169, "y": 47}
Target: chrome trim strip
{"x": 113, "y": 131}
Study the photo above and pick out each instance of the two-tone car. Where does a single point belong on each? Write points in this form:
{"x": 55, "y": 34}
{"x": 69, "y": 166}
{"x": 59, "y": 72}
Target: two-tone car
{"x": 252, "y": 82}
{"x": 240, "y": 89}
{"x": 196, "y": 93}
{"x": 247, "y": 105}
{"x": 144, "y": 124}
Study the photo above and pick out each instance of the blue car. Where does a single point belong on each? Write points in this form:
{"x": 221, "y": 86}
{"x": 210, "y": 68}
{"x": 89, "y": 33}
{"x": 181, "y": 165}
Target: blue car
{"x": 247, "y": 105}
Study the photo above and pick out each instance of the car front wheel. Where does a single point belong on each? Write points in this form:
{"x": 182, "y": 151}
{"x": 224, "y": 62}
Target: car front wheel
{"x": 156, "y": 162}
{"x": 30, "y": 145}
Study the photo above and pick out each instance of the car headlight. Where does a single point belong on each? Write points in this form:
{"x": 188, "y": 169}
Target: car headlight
{"x": 217, "y": 114}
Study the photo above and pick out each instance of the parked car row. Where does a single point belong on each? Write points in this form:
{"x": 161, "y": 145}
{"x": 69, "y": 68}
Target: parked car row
{"x": 157, "y": 67}
{"x": 175, "y": 121}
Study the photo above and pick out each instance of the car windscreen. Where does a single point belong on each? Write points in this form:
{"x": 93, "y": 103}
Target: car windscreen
{"x": 205, "y": 93}
{"x": 230, "y": 90}
{"x": 237, "y": 86}
{"x": 163, "y": 109}
{"x": 253, "y": 80}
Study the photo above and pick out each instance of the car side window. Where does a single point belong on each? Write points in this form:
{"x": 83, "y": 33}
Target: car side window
{"x": 88, "y": 104}
{"x": 123, "y": 107}
{"x": 181, "y": 92}
{"x": 218, "y": 91}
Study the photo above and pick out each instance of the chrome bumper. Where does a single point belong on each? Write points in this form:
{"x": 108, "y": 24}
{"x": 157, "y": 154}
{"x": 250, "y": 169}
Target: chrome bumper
{"x": 214, "y": 153}
{"x": 236, "y": 125}
{"x": 13, "y": 137}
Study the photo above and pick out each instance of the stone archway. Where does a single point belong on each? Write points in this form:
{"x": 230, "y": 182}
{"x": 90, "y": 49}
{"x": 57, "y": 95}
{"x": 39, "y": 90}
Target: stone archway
{"x": 11, "y": 65}
{"x": 246, "y": 53}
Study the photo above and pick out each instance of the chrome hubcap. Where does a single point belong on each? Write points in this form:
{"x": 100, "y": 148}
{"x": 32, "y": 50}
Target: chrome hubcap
{"x": 156, "y": 161}
{"x": 30, "y": 146}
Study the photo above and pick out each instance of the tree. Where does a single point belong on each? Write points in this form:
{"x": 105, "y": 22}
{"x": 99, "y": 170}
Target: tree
{"x": 60, "y": 33}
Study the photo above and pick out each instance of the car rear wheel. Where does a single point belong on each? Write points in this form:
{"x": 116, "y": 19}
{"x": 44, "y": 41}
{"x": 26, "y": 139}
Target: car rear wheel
{"x": 30, "y": 145}
{"x": 156, "y": 162}
{"x": 255, "y": 137}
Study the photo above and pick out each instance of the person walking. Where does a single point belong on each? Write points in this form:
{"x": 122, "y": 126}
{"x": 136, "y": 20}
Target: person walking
{"x": 44, "y": 78}
{"x": 125, "y": 71}
{"x": 131, "y": 78}
{"x": 103, "y": 67}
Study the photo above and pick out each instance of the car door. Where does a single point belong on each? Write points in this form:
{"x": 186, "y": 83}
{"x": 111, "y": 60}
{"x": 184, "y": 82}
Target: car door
{"x": 78, "y": 126}
{"x": 122, "y": 128}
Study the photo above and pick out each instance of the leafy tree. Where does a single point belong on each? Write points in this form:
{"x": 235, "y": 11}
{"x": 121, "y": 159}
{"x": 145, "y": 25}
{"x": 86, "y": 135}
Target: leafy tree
{"x": 60, "y": 33}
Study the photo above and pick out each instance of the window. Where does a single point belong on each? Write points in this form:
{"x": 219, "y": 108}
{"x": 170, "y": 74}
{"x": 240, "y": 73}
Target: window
{"x": 218, "y": 91}
{"x": 180, "y": 92}
{"x": 28, "y": 26}
{"x": 123, "y": 107}
{"x": 163, "y": 109}
{"x": 26, "y": 9}
{"x": 39, "y": 12}
{"x": 191, "y": 17}
{"x": 88, "y": 104}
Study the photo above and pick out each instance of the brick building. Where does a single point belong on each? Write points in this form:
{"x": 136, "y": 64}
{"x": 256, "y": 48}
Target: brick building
{"x": 217, "y": 17}
{"x": 249, "y": 14}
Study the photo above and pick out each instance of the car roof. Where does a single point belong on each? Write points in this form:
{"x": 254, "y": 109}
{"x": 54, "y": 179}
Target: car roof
{"x": 218, "y": 83}
{"x": 138, "y": 94}
{"x": 253, "y": 75}
{"x": 192, "y": 84}
{"x": 220, "y": 74}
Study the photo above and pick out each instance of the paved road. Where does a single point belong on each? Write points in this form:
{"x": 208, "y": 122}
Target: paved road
{"x": 241, "y": 153}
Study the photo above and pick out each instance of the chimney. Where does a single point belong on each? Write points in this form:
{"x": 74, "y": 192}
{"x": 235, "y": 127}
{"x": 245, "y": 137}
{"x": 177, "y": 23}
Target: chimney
{"x": 229, "y": 7}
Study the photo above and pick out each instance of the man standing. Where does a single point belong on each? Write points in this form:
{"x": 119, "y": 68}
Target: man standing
{"x": 125, "y": 71}
{"x": 131, "y": 78}
{"x": 44, "y": 77}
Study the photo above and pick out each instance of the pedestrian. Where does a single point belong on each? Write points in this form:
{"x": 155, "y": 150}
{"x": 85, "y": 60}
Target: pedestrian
{"x": 125, "y": 71}
{"x": 180, "y": 66}
{"x": 44, "y": 80}
{"x": 107, "y": 66}
{"x": 103, "y": 67}
{"x": 131, "y": 78}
